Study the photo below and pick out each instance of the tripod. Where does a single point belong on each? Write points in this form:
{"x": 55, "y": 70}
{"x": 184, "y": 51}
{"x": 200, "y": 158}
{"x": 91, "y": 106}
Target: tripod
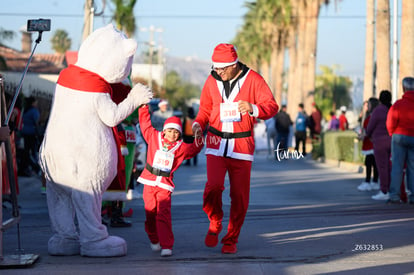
{"x": 20, "y": 259}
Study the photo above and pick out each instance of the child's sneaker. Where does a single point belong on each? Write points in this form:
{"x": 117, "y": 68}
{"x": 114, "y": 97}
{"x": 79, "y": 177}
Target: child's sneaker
{"x": 365, "y": 186}
{"x": 166, "y": 252}
{"x": 155, "y": 246}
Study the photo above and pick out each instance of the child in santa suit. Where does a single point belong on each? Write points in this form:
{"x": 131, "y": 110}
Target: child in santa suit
{"x": 166, "y": 151}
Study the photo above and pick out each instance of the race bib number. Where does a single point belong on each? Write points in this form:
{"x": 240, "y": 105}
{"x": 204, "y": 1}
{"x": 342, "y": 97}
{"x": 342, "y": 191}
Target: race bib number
{"x": 229, "y": 112}
{"x": 163, "y": 160}
{"x": 130, "y": 136}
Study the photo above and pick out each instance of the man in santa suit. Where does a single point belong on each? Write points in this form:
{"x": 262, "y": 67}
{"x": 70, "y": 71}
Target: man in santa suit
{"x": 233, "y": 97}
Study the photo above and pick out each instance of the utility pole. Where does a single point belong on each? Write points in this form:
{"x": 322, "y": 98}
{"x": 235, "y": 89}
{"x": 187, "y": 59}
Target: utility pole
{"x": 151, "y": 44}
{"x": 89, "y": 15}
{"x": 395, "y": 53}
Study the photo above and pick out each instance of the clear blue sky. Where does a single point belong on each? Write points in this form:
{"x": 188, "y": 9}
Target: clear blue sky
{"x": 193, "y": 28}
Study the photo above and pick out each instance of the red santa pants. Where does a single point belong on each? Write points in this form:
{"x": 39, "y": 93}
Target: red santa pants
{"x": 158, "y": 216}
{"x": 239, "y": 176}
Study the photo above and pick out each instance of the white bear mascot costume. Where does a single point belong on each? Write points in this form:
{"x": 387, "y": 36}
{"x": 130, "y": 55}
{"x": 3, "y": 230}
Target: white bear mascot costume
{"x": 79, "y": 154}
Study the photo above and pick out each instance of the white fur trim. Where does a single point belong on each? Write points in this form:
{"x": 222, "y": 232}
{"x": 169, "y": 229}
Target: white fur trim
{"x": 157, "y": 182}
{"x": 114, "y": 196}
{"x": 222, "y": 65}
{"x": 173, "y": 126}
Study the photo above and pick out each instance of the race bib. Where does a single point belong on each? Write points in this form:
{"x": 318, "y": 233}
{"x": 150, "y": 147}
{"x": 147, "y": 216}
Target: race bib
{"x": 229, "y": 112}
{"x": 130, "y": 136}
{"x": 163, "y": 160}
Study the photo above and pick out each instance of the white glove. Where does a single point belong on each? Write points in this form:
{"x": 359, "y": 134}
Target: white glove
{"x": 124, "y": 150}
{"x": 141, "y": 94}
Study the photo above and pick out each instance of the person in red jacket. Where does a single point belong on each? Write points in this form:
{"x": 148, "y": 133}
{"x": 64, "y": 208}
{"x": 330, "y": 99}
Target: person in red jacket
{"x": 166, "y": 151}
{"x": 232, "y": 98}
{"x": 343, "y": 121}
{"x": 400, "y": 125}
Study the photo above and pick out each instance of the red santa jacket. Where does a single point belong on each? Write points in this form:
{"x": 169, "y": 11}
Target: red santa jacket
{"x": 221, "y": 140}
{"x": 401, "y": 116}
{"x": 153, "y": 138}
{"x": 367, "y": 145}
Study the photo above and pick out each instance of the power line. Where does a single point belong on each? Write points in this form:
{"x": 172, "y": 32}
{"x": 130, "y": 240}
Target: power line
{"x": 177, "y": 16}
{"x": 173, "y": 16}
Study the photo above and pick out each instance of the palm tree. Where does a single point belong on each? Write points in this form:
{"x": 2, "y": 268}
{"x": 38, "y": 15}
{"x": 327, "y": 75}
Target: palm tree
{"x": 249, "y": 42}
{"x": 383, "y": 44}
{"x": 293, "y": 97}
{"x": 406, "y": 66}
{"x": 312, "y": 17}
{"x": 124, "y": 16}
{"x": 369, "y": 51}
{"x": 60, "y": 41}
{"x": 282, "y": 19}
{"x": 5, "y": 34}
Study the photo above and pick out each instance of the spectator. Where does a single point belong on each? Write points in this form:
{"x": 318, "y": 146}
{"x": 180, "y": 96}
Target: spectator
{"x": 271, "y": 136}
{"x": 282, "y": 124}
{"x": 30, "y": 133}
{"x": 300, "y": 129}
{"x": 400, "y": 125}
{"x": 377, "y": 132}
{"x": 368, "y": 152}
{"x": 333, "y": 122}
{"x": 159, "y": 116}
{"x": 315, "y": 122}
{"x": 343, "y": 122}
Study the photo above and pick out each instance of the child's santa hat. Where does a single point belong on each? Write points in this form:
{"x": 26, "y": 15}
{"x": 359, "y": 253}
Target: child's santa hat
{"x": 224, "y": 55}
{"x": 174, "y": 123}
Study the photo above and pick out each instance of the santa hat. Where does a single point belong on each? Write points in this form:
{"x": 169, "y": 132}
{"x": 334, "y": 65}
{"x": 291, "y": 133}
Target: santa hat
{"x": 162, "y": 102}
{"x": 224, "y": 55}
{"x": 174, "y": 123}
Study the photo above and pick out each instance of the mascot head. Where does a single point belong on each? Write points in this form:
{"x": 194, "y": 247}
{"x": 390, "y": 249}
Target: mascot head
{"x": 108, "y": 53}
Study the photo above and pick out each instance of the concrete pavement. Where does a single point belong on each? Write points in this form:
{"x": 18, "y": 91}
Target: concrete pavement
{"x": 304, "y": 218}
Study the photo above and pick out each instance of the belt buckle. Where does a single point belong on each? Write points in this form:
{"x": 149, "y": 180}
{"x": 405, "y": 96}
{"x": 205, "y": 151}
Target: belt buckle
{"x": 226, "y": 135}
{"x": 156, "y": 171}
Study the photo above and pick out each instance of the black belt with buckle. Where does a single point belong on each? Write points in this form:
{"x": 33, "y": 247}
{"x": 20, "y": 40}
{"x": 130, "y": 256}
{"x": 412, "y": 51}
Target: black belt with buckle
{"x": 228, "y": 135}
{"x": 156, "y": 171}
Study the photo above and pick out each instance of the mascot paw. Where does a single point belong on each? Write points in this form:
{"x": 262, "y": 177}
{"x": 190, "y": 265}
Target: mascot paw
{"x": 141, "y": 93}
{"x": 59, "y": 246}
{"x": 110, "y": 247}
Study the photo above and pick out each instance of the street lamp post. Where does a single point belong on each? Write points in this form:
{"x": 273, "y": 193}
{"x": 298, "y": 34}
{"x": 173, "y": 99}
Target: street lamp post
{"x": 151, "y": 44}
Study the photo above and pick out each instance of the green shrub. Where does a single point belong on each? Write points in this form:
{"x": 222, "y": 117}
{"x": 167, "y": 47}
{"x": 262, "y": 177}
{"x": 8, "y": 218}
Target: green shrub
{"x": 342, "y": 146}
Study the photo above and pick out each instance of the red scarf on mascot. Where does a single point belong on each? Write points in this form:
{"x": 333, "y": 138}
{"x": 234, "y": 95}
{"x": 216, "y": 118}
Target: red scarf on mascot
{"x": 83, "y": 80}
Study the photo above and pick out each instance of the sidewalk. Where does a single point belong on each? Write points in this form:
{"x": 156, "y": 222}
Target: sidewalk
{"x": 304, "y": 218}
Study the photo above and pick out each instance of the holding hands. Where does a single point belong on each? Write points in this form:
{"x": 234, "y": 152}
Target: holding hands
{"x": 142, "y": 94}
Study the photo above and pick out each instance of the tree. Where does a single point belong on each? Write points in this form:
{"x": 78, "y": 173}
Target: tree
{"x": 312, "y": 17}
{"x": 124, "y": 16}
{"x": 177, "y": 91}
{"x": 369, "y": 51}
{"x": 383, "y": 44}
{"x": 6, "y": 35}
{"x": 60, "y": 41}
{"x": 406, "y": 66}
{"x": 332, "y": 90}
